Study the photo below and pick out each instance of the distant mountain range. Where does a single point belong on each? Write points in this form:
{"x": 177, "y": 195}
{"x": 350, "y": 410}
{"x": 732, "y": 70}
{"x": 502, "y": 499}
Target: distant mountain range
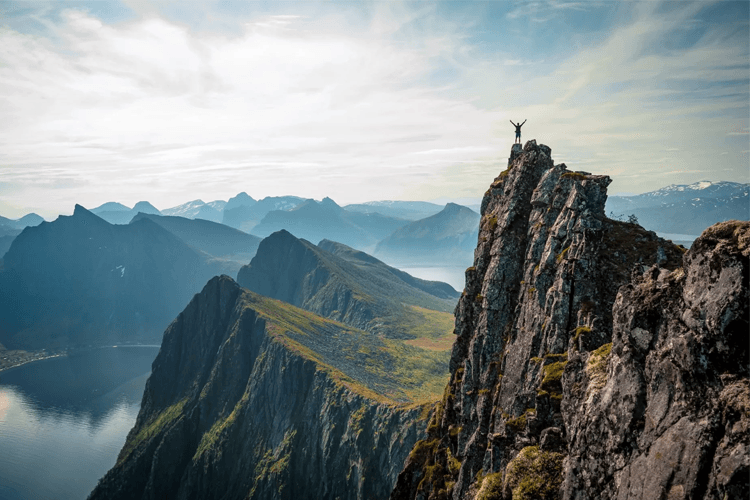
{"x": 117, "y": 213}
{"x": 246, "y": 213}
{"x": 413, "y": 233}
{"x": 316, "y": 221}
{"x": 409, "y": 210}
{"x": 198, "y": 209}
{"x": 685, "y": 209}
{"x": 446, "y": 238}
{"x": 81, "y": 280}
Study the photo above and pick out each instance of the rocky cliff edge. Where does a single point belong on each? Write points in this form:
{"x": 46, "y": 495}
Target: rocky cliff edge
{"x": 560, "y": 386}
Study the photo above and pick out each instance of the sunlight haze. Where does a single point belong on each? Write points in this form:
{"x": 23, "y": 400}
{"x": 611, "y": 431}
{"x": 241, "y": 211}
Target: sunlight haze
{"x": 173, "y": 101}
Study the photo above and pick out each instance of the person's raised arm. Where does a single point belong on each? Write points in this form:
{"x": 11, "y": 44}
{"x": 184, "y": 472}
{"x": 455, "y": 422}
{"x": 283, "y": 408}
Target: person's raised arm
{"x": 511, "y": 121}
{"x": 523, "y": 122}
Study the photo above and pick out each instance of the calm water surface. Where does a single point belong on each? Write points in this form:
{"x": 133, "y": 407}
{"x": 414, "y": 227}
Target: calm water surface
{"x": 64, "y": 420}
{"x": 454, "y": 276}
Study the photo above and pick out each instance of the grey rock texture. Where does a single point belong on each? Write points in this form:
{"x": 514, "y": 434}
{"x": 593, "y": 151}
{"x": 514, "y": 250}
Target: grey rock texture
{"x": 238, "y": 405}
{"x": 672, "y": 419}
{"x": 561, "y": 387}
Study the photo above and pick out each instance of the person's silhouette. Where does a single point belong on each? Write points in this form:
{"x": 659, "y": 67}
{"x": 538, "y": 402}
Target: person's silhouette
{"x": 518, "y": 131}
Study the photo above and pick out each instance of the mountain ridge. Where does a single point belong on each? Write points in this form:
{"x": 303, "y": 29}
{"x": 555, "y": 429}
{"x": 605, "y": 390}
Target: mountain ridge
{"x": 350, "y": 289}
{"x": 255, "y": 413}
{"x": 81, "y": 280}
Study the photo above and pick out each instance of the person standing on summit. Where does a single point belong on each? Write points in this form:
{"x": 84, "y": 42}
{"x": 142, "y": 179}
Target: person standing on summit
{"x": 518, "y": 131}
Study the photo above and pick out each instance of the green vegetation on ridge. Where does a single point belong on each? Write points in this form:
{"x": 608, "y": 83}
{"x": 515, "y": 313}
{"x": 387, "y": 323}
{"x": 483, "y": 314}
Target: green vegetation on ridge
{"x": 379, "y": 368}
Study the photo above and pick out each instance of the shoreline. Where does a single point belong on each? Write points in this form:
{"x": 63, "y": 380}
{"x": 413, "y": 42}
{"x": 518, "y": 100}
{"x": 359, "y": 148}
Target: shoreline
{"x": 59, "y": 354}
{"x": 27, "y": 361}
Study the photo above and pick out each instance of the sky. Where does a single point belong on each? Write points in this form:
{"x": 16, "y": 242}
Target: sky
{"x": 174, "y": 101}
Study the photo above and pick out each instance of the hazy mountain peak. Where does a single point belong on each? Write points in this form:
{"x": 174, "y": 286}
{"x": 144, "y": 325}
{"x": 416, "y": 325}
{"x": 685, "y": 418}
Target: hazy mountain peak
{"x": 31, "y": 219}
{"x": 110, "y": 206}
{"x": 328, "y": 201}
{"x": 241, "y": 200}
{"x": 146, "y": 208}
{"x": 454, "y": 208}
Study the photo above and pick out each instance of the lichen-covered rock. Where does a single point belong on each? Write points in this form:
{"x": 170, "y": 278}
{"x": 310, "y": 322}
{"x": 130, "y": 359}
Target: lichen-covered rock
{"x": 668, "y": 415}
{"x": 549, "y": 357}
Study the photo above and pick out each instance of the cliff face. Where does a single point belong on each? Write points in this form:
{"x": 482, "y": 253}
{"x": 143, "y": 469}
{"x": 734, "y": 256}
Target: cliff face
{"x": 247, "y": 400}
{"x": 559, "y": 384}
{"x": 667, "y": 412}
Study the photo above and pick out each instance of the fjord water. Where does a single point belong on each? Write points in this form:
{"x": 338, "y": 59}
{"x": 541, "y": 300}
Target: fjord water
{"x": 453, "y": 275}
{"x": 63, "y": 420}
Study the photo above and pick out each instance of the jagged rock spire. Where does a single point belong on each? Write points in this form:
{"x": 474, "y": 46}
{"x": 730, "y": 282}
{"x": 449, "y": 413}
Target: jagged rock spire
{"x": 557, "y": 381}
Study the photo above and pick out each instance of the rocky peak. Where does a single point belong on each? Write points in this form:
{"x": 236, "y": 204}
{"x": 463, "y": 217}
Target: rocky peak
{"x": 546, "y": 274}
{"x": 515, "y": 152}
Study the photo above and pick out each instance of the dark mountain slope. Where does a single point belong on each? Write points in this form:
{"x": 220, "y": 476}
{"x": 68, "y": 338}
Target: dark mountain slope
{"x": 213, "y": 238}
{"x": 361, "y": 291}
{"x": 570, "y": 381}
{"x": 82, "y": 280}
{"x": 6, "y": 240}
{"x": 250, "y": 397}
{"x": 446, "y": 238}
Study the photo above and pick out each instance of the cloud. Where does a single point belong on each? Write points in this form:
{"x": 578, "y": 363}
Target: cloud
{"x": 389, "y": 100}
{"x": 543, "y": 11}
{"x": 149, "y": 103}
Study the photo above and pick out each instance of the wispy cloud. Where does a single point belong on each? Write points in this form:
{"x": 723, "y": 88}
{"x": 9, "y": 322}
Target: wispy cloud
{"x": 151, "y": 102}
{"x": 543, "y": 11}
{"x": 389, "y": 100}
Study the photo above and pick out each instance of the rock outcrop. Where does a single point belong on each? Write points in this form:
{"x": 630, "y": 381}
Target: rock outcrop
{"x": 561, "y": 386}
{"x": 251, "y": 397}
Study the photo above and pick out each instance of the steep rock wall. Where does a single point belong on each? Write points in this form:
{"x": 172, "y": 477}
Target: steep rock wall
{"x": 541, "y": 301}
{"x": 232, "y": 410}
{"x": 666, "y": 414}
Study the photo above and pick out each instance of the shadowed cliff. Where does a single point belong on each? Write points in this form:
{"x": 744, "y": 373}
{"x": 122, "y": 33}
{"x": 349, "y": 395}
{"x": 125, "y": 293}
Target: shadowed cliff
{"x": 80, "y": 280}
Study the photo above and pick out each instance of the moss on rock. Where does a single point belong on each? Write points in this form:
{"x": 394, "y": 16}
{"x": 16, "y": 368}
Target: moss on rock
{"x": 534, "y": 475}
